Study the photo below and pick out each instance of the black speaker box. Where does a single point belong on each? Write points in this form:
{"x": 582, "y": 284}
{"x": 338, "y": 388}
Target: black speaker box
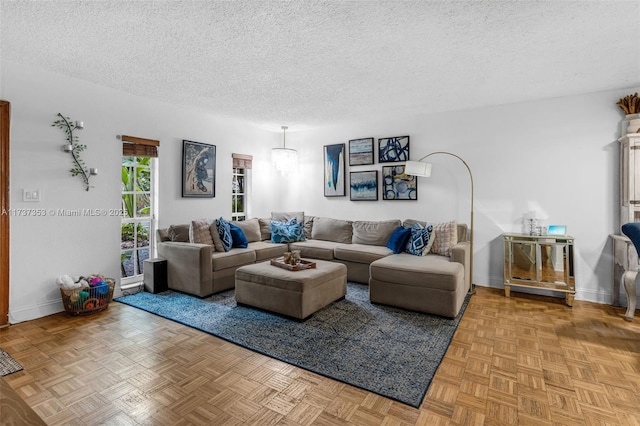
{"x": 155, "y": 275}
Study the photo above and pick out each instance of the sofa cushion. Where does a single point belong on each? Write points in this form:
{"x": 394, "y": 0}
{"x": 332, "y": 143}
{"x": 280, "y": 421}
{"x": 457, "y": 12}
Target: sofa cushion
{"x": 265, "y": 229}
{"x": 286, "y": 232}
{"x": 315, "y": 249}
{"x": 432, "y": 271}
{"x": 420, "y": 240}
{"x": 446, "y": 236}
{"x": 199, "y": 232}
{"x": 162, "y": 235}
{"x": 238, "y": 239}
{"x": 266, "y": 250}
{"x": 360, "y": 253}
{"x": 397, "y": 242}
{"x": 215, "y": 236}
{"x": 250, "y": 229}
{"x": 308, "y": 226}
{"x": 327, "y": 229}
{"x": 374, "y": 233}
{"x": 232, "y": 259}
{"x": 179, "y": 233}
{"x": 224, "y": 232}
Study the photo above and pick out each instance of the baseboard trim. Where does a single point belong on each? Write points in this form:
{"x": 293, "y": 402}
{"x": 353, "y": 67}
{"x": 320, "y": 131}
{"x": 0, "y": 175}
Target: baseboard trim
{"x": 35, "y": 311}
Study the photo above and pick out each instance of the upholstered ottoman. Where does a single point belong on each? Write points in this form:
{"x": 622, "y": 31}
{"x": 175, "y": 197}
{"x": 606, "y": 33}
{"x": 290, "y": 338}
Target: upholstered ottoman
{"x": 296, "y": 294}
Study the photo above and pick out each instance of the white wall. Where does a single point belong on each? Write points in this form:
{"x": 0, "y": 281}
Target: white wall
{"x": 558, "y": 157}
{"x": 42, "y": 248}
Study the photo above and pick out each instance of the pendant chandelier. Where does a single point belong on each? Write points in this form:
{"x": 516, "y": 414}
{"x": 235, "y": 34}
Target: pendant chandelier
{"x": 284, "y": 159}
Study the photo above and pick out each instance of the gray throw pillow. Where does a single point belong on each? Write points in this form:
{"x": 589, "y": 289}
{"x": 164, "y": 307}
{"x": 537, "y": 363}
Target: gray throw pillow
{"x": 179, "y": 233}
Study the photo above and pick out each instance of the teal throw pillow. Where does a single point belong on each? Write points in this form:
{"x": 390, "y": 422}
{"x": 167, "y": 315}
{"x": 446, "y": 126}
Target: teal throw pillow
{"x": 287, "y": 232}
{"x": 238, "y": 239}
{"x": 398, "y": 239}
{"x": 420, "y": 241}
{"x": 224, "y": 231}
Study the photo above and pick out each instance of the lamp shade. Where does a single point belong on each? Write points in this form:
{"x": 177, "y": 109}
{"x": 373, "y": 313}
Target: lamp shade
{"x": 284, "y": 160}
{"x": 417, "y": 168}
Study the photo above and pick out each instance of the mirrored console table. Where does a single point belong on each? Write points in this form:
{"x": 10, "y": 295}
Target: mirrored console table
{"x": 539, "y": 261}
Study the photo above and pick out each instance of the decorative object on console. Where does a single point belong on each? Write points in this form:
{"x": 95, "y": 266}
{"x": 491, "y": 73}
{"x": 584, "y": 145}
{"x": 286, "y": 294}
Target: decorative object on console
{"x": 361, "y": 152}
{"x": 630, "y": 105}
{"x": 284, "y": 159}
{"x": 397, "y": 185}
{"x": 198, "y": 169}
{"x": 74, "y": 147}
{"x": 419, "y": 168}
{"x": 334, "y": 179}
{"x": 393, "y": 149}
{"x": 363, "y": 186}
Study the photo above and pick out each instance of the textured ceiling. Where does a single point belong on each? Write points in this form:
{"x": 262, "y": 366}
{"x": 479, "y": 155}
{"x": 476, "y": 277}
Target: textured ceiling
{"x": 308, "y": 63}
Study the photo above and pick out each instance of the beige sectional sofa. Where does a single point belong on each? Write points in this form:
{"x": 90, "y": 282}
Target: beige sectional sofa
{"x": 435, "y": 283}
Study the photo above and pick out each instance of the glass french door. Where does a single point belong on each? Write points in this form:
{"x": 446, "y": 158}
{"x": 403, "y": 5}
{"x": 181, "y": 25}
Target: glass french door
{"x": 138, "y": 217}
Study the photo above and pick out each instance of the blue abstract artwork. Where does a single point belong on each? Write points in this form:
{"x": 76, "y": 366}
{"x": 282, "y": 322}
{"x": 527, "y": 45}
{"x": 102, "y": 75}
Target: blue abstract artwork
{"x": 397, "y": 185}
{"x": 361, "y": 152}
{"x": 393, "y": 149}
{"x": 198, "y": 169}
{"x": 334, "y": 181}
{"x": 364, "y": 186}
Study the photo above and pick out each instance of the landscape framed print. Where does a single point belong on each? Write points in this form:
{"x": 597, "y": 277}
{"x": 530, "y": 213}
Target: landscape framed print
{"x": 391, "y": 150}
{"x": 198, "y": 169}
{"x": 363, "y": 186}
{"x": 334, "y": 180}
{"x": 396, "y": 185}
{"x": 361, "y": 152}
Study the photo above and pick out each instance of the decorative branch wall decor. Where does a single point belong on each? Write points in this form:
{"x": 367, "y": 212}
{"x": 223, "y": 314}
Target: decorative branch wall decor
{"x": 74, "y": 147}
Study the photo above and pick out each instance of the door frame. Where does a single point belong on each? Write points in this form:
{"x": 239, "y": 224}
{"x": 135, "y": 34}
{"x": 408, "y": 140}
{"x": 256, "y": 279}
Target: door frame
{"x": 5, "y": 121}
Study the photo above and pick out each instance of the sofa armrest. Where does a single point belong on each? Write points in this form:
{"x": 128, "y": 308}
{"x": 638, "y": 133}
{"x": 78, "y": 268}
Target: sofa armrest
{"x": 188, "y": 267}
{"x": 461, "y": 253}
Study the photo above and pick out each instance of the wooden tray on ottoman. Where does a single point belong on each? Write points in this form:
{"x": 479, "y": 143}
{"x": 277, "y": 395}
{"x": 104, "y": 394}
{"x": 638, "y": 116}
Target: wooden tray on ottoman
{"x": 304, "y": 264}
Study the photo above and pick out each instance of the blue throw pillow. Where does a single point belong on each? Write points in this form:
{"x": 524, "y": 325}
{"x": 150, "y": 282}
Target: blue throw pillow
{"x": 421, "y": 240}
{"x": 224, "y": 231}
{"x": 238, "y": 239}
{"x": 287, "y": 232}
{"x": 398, "y": 240}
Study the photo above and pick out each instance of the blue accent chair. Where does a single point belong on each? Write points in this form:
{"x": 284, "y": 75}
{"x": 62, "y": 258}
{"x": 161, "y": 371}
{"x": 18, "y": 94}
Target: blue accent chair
{"x": 632, "y": 230}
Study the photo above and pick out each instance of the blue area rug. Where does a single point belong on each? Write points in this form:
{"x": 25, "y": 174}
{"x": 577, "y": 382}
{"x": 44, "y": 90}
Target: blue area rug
{"x": 385, "y": 350}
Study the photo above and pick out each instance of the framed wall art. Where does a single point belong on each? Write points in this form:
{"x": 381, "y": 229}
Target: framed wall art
{"x": 361, "y": 152}
{"x": 334, "y": 180}
{"x": 393, "y": 149}
{"x": 198, "y": 169}
{"x": 363, "y": 186}
{"x": 396, "y": 185}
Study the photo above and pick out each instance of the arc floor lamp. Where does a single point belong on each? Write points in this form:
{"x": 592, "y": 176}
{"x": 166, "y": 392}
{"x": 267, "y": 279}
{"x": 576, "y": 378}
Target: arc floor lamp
{"x": 422, "y": 169}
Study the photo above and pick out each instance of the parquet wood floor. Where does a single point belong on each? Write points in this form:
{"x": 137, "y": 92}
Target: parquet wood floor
{"x": 527, "y": 360}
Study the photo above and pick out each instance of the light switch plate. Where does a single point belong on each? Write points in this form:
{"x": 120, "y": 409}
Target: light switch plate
{"x": 31, "y": 195}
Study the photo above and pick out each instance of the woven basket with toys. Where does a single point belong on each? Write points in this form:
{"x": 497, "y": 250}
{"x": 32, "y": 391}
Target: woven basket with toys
{"x": 85, "y": 295}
